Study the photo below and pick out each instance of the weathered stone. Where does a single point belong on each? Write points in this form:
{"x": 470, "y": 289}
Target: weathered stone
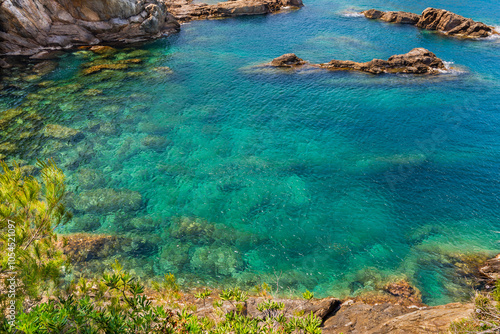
{"x": 29, "y": 26}
{"x": 491, "y": 269}
{"x": 287, "y": 60}
{"x": 436, "y": 19}
{"x": 185, "y": 10}
{"x": 395, "y": 17}
{"x": 453, "y": 24}
{"x": 404, "y": 291}
{"x": 417, "y": 61}
{"x": 392, "y": 318}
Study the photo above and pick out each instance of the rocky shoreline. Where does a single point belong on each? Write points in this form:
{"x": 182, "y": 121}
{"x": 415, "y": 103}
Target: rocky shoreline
{"x": 444, "y": 21}
{"x": 417, "y": 61}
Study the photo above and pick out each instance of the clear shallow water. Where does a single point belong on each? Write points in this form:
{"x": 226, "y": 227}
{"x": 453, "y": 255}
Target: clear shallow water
{"x": 336, "y": 182}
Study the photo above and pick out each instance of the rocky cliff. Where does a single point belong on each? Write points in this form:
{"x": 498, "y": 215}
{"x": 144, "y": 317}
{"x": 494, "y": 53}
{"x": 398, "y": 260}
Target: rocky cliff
{"x": 28, "y": 26}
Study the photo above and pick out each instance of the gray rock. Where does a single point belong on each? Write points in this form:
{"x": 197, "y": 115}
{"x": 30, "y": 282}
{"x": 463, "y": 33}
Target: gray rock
{"x": 30, "y": 26}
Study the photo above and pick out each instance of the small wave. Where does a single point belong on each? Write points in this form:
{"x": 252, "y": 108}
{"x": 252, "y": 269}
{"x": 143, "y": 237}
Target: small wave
{"x": 451, "y": 69}
{"x": 352, "y": 14}
{"x": 494, "y": 36}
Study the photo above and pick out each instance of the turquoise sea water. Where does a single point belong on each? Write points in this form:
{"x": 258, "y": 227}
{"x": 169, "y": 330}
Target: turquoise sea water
{"x": 329, "y": 181}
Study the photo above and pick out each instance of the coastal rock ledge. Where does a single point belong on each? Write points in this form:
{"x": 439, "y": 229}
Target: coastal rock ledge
{"x": 436, "y": 19}
{"x": 417, "y": 61}
{"x": 29, "y": 26}
{"x": 186, "y": 10}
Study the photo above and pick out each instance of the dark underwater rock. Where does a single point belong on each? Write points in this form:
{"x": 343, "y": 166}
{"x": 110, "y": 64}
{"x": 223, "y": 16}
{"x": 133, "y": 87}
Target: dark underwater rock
{"x": 108, "y": 200}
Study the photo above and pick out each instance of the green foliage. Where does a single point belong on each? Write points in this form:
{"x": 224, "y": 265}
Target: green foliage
{"x": 484, "y": 319}
{"x": 30, "y": 210}
{"x": 308, "y": 295}
{"x": 234, "y": 294}
{"x": 496, "y": 293}
{"x": 133, "y": 312}
{"x": 203, "y": 294}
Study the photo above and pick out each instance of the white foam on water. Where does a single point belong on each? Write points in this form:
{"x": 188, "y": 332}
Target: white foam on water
{"x": 450, "y": 69}
{"x": 352, "y": 14}
{"x": 494, "y": 36}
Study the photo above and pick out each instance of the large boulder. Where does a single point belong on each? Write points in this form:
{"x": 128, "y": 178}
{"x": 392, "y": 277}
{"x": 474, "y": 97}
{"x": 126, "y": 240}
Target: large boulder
{"x": 29, "y": 26}
{"x": 436, "y": 19}
{"x": 417, "y": 61}
{"x": 453, "y": 24}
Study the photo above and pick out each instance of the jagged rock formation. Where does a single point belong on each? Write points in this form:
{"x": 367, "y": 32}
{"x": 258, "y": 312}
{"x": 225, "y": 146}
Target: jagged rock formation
{"x": 417, "y": 61}
{"x": 436, "y": 19}
{"x": 28, "y": 26}
{"x": 395, "y": 17}
{"x": 185, "y": 10}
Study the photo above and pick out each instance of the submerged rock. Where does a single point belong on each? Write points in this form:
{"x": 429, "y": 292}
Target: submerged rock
{"x": 287, "y": 60}
{"x": 417, "y": 61}
{"x": 62, "y": 132}
{"x": 108, "y": 200}
{"x": 436, "y": 19}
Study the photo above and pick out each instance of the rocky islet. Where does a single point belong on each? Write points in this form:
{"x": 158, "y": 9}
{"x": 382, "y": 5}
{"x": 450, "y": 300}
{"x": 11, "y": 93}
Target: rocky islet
{"x": 441, "y": 20}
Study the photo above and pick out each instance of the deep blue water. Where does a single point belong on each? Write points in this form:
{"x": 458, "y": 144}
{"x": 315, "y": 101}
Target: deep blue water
{"x": 334, "y": 181}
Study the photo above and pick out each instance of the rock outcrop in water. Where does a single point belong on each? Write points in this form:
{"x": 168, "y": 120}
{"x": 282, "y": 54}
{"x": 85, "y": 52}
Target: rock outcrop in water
{"x": 287, "y": 60}
{"x": 28, "y": 26}
{"x": 417, "y": 61}
{"x": 436, "y": 19}
{"x": 186, "y": 10}
{"x": 395, "y": 17}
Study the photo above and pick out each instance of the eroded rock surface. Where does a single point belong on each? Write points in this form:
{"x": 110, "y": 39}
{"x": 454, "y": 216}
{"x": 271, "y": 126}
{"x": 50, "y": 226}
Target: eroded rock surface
{"x": 395, "y": 17}
{"x": 28, "y": 26}
{"x": 417, "y": 61}
{"x": 436, "y": 19}
{"x": 186, "y": 10}
{"x": 360, "y": 318}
